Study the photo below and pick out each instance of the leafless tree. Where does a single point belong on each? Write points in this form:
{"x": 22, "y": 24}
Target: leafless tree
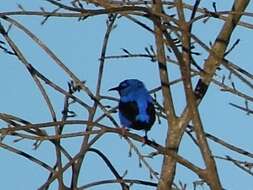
{"x": 176, "y": 46}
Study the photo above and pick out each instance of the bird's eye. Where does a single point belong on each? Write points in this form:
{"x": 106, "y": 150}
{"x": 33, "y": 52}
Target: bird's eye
{"x": 123, "y": 85}
{"x": 140, "y": 84}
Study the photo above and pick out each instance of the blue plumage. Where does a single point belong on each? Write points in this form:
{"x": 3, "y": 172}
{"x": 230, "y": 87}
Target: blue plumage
{"x": 136, "y": 108}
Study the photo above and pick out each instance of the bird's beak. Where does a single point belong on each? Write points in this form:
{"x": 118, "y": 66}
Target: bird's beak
{"x": 115, "y": 88}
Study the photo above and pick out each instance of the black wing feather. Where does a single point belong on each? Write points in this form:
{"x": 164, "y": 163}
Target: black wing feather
{"x": 151, "y": 113}
{"x": 129, "y": 110}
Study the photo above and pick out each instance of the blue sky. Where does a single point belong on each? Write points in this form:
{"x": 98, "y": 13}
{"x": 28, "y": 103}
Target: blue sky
{"x": 78, "y": 44}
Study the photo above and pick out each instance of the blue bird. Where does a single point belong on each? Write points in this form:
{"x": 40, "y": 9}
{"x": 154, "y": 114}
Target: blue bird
{"x": 136, "y": 108}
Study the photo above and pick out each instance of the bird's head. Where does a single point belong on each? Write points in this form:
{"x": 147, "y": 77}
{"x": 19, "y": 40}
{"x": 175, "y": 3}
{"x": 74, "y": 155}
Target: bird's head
{"x": 128, "y": 86}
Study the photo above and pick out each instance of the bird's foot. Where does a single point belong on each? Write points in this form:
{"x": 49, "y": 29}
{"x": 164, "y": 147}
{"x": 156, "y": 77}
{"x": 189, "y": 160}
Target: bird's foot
{"x": 123, "y": 131}
{"x": 144, "y": 140}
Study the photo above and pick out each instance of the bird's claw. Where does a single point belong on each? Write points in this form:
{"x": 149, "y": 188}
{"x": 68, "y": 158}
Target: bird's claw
{"x": 123, "y": 131}
{"x": 144, "y": 140}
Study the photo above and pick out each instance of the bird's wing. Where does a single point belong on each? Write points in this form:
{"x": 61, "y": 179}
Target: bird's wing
{"x": 151, "y": 112}
{"x": 129, "y": 110}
